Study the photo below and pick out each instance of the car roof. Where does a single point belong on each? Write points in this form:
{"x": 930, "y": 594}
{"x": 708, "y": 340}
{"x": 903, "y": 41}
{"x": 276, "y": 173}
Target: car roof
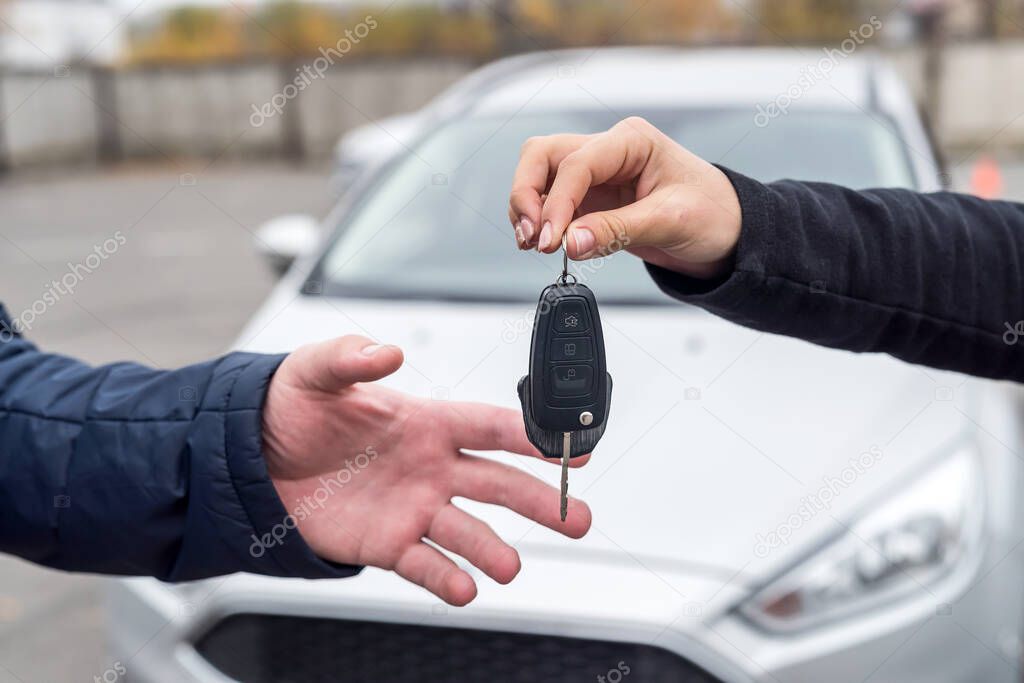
{"x": 635, "y": 80}
{"x": 623, "y": 79}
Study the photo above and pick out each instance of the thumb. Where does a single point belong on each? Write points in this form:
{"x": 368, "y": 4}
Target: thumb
{"x": 604, "y": 232}
{"x": 335, "y": 364}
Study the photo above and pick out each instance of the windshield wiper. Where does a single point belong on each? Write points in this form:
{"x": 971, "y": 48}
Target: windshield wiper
{"x": 452, "y": 296}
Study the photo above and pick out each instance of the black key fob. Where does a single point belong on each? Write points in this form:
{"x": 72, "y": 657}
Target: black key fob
{"x": 568, "y": 388}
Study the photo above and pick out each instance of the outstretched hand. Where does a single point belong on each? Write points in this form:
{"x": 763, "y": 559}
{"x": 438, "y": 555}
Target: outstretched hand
{"x": 372, "y": 472}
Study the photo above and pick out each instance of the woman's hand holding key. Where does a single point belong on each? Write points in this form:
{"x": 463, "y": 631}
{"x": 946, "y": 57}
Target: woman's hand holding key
{"x": 630, "y": 187}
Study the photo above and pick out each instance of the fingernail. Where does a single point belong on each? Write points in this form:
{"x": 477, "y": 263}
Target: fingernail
{"x": 527, "y": 225}
{"x": 545, "y": 236}
{"x": 585, "y": 241}
{"x": 519, "y": 235}
{"x": 372, "y": 349}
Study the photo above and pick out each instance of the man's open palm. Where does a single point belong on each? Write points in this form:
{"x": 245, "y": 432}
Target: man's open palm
{"x": 369, "y": 473}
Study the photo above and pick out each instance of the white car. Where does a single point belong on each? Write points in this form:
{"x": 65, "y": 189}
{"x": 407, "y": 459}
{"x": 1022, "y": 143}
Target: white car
{"x": 362, "y": 147}
{"x": 764, "y": 509}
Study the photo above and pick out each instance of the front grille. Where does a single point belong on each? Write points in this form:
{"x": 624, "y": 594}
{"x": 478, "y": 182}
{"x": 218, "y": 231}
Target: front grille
{"x": 257, "y": 648}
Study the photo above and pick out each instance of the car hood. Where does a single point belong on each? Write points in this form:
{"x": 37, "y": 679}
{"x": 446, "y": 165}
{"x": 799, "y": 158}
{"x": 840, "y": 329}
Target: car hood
{"x": 717, "y": 435}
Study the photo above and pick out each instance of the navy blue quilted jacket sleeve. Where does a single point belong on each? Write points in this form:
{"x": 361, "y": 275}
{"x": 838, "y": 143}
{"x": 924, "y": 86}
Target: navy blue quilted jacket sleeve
{"x": 123, "y": 469}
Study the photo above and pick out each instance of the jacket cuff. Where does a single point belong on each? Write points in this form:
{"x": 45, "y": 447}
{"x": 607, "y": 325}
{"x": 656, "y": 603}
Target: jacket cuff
{"x": 273, "y": 533}
{"x": 8, "y": 329}
{"x": 753, "y": 251}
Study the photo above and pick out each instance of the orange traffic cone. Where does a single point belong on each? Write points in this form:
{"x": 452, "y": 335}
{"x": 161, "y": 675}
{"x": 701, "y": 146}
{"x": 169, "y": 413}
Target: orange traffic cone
{"x": 986, "y": 179}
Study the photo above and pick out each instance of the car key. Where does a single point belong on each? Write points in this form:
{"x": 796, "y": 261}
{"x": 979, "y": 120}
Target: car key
{"x": 567, "y": 395}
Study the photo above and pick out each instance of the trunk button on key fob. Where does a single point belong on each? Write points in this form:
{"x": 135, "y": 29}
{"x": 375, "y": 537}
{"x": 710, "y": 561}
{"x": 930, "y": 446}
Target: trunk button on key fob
{"x": 571, "y": 380}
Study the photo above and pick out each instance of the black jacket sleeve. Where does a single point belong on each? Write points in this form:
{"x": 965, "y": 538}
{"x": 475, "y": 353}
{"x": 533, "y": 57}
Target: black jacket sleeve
{"x": 935, "y": 279}
{"x": 123, "y": 469}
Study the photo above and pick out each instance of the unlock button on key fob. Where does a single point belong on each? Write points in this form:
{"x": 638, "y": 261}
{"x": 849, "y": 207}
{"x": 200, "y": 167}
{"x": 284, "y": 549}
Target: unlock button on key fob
{"x": 571, "y": 349}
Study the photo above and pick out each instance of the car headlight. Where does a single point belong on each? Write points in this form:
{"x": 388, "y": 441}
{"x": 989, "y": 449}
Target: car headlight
{"x": 914, "y": 537}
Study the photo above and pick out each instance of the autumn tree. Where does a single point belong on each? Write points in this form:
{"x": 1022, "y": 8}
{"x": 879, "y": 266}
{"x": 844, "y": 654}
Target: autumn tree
{"x": 775, "y": 21}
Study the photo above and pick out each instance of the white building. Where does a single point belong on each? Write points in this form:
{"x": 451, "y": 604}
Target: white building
{"x": 57, "y": 32}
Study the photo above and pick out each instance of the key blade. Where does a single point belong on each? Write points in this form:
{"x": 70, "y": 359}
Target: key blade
{"x": 566, "y": 451}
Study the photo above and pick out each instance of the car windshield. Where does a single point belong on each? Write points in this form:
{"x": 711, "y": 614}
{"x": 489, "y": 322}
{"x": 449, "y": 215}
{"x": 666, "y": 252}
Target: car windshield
{"x": 434, "y": 224}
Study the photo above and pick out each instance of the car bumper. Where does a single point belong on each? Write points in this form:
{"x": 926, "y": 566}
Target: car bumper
{"x": 156, "y": 627}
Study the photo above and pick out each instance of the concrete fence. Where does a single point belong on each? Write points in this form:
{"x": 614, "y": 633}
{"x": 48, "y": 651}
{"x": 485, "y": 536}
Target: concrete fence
{"x": 981, "y": 100}
{"x": 259, "y": 109}
{"x": 240, "y": 110}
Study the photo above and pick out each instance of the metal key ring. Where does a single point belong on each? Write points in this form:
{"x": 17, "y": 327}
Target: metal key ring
{"x": 564, "y": 278}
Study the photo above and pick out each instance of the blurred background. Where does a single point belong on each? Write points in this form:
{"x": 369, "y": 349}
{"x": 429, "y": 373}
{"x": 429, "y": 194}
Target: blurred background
{"x": 89, "y": 82}
{"x": 169, "y": 117}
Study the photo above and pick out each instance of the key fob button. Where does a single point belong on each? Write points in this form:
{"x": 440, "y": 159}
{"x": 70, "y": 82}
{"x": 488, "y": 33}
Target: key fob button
{"x": 571, "y": 316}
{"x": 571, "y": 349}
{"x": 572, "y": 380}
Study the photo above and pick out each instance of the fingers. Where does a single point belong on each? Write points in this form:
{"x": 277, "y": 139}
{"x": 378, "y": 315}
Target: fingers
{"x": 618, "y": 155}
{"x": 482, "y": 427}
{"x": 538, "y": 159}
{"x": 633, "y": 225}
{"x": 334, "y": 364}
{"x": 458, "y": 531}
{"x": 428, "y": 567}
{"x": 493, "y": 482}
